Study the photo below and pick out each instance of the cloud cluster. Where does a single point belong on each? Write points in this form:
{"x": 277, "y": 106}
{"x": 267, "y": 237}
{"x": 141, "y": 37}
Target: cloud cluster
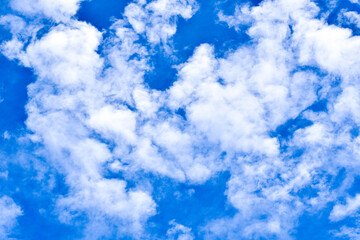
{"x": 101, "y": 127}
{"x": 291, "y": 41}
{"x": 81, "y": 111}
{"x": 69, "y": 99}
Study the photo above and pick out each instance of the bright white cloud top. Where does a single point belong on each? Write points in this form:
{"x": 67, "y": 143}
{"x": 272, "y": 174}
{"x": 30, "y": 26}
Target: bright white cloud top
{"x": 253, "y": 112}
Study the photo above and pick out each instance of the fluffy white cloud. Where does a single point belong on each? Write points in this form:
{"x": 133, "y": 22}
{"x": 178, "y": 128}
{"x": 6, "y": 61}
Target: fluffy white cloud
{"x": 157, "y": 19}
{"x": 228, "y": 115}
{"x": 60, "y": 10}
{"x": 283, "y": 91}
{"x": 21, "y": 33}
{"x": 9, "y": 212}
{"x": 67, "y": 104}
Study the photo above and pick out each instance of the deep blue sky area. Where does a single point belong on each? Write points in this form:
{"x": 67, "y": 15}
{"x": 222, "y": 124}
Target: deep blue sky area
{"x": 100, "y": 13}
{"x": 39, "y": 220}
{"x": 190, "y": 204}
{"x": 14, "y": 80}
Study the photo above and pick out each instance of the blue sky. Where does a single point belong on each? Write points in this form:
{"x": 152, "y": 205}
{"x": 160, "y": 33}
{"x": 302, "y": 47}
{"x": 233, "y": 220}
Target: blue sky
{"x": 179, "y": 119}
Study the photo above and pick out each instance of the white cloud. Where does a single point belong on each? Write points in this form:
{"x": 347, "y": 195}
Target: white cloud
{"x": 107, "y": 202}
{"x": 9, "y": 213}
{"x": 340, "y": 211}
{"x": 179, "y": 232}
{"x": 94, "y": 114}
{"x": 114, "y": 123}
{"x": 66, "y": 55}
{"x": 228, "y": 115}
{"x": 241, "y": 17}
{"x": 21, "y": 33}
{"x": 67, "y": 104}
{"x": 349, "y": 17}
{"x": 157, "y": 19}
{"x": 15, "y": 24}
{"x": 348, "y": 232}
{"x": 282, "y": 91}
{"x": 60, "y": 10}
{"x": 234, "y": 116}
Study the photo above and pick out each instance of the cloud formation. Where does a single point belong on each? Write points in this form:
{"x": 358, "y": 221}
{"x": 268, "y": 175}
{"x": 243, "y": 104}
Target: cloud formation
{"x": 252, "y": 112}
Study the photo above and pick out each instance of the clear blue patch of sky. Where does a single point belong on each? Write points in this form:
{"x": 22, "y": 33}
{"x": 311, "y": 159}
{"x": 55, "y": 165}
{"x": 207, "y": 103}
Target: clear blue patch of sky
{"x": 13, "y": 92}
{"x": 190, "y": 205}
{"x": 287, "y": 129}
{"x": 355, "y": 187}
{"x": 338, "y": 179}
{"x": 204, "y": 27}
{"x": 100, "y": 12}
{"x": 39, "y": 221}
{"x": 13, "y": 82}
{"x": 316, "y": 225}
{"x": 163, "y": 73}
{"x": 4, "y": 7}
